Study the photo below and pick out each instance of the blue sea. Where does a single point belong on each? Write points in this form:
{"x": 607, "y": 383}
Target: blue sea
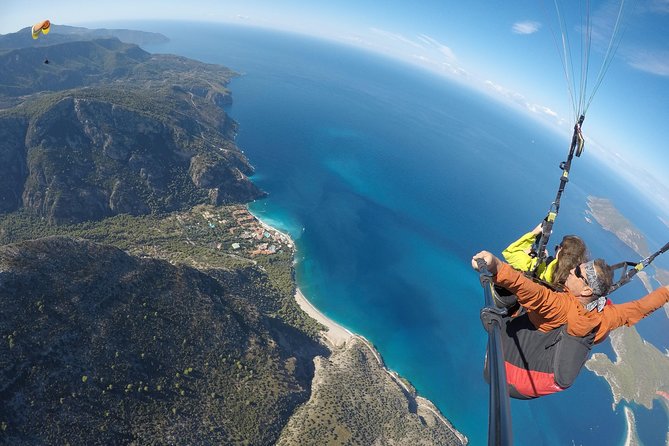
{"x": 390, "y": 179}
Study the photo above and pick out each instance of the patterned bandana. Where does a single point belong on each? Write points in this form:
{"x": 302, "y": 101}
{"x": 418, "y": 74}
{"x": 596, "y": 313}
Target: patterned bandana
{"x": 598, "y": 303}
{"x": 596, "y": 285}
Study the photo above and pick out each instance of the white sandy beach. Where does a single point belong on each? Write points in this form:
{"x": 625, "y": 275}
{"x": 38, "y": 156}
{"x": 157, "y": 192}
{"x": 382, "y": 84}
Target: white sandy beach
{"x": 336, "y": 335}
{"x": 632, "y": 438}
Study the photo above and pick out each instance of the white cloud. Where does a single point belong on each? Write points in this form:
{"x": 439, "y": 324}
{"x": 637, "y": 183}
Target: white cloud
{"x": 547, "y": 111}
{"x": 423, "y": 42}
{"x": 396, "y": 37}
{"x": 527, "y": 27}
{"x": 664, "y": 220}
{"x": 651, "y": 62}
{"x": 434, "y": 43}
{"x": 519, "y": 99}
{"x": 421, "y": 49}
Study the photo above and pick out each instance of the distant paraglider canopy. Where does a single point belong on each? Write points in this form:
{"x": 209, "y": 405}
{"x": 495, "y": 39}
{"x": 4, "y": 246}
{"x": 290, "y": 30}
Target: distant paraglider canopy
{"x": 41, "y": 27}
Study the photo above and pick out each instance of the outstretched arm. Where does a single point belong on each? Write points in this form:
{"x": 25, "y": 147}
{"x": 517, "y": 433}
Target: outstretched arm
{"x": 630, "y": 313}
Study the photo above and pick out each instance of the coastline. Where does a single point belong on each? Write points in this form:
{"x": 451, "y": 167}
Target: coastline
{"x": 337, "y": 337}
{"x": 631, "y": 438}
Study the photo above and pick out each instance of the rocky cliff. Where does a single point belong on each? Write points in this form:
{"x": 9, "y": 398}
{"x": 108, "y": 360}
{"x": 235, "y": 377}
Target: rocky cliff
{"x": 108, "y": 128}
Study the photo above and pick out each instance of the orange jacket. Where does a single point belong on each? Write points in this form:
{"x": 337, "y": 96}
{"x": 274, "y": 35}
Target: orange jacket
{"x": 549, "y": 309}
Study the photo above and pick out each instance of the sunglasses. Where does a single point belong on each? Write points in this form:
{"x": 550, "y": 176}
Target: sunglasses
{"x": 578, "y": 273}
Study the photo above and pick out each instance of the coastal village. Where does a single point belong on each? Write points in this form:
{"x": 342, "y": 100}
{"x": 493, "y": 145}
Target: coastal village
{"x": 235, "y": 229}
{"x": 264, "y": 239}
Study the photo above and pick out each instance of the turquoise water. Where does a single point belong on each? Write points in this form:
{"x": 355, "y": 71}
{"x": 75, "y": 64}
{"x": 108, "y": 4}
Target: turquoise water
{"x": 389, "y": 180}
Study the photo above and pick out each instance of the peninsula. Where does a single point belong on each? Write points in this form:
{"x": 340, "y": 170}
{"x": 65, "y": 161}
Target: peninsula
{"x": 640, "y": 372}
{"x": 609, "y": 218}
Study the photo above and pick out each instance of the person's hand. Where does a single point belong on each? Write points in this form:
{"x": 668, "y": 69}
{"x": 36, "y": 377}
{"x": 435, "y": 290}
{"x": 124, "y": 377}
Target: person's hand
{"x": 492, "y": 261}
{"x": 539, "y": 229}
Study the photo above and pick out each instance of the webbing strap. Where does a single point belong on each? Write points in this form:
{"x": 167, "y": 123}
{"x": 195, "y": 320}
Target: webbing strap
{"x": 576, "y": 148}
{"x": 630, "y": 269}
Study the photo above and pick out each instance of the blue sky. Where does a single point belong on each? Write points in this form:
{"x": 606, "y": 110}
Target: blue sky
{"x": 505, "y": 49}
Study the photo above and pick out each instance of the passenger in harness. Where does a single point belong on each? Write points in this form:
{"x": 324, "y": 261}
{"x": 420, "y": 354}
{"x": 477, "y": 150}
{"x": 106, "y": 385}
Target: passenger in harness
{"x": 570, "y": 253}
{"x": 546, "y": 343}
{"x": 553, "y": 272}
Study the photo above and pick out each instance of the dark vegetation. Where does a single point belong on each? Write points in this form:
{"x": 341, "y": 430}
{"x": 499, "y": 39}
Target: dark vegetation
{"x": 107, "y": 348}
{"x": 185, "y": 238}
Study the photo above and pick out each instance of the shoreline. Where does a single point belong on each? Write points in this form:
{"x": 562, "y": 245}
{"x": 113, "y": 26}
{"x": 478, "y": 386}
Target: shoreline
{"x": 337, "y": 337}
{"x": 631, "y": 437}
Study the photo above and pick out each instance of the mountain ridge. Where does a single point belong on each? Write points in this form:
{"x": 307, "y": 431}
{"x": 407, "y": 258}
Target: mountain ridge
{"x": 66, "y": 33}
{"x": 117, "y": 130}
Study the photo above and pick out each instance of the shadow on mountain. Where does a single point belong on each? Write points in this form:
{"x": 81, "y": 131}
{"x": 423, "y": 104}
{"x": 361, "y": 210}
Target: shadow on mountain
{"x": 103, "y": 347}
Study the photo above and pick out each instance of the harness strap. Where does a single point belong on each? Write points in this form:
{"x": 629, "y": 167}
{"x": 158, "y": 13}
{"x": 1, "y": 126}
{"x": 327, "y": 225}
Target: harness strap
{"x": 627, "y": 274}
{"x": 576, "y": 148}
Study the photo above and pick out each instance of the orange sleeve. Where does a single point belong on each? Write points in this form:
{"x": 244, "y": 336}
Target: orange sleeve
{"x": 551, "y": 306}
{"x": 630, "y": 313}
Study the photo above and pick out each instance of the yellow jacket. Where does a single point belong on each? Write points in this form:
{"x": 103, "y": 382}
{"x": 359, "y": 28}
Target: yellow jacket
{"x": 516, "y": 255}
